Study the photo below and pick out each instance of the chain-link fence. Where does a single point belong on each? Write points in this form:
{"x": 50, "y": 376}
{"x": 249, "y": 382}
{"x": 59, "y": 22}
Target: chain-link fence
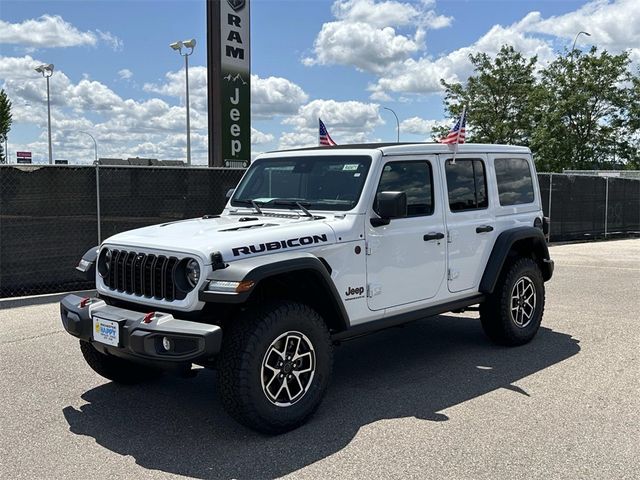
{"x": 51, "y": 215}
{"x": 587, "y": 207}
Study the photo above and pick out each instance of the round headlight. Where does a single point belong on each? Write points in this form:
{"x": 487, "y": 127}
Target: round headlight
{"x": 104, "y": 262}
{"x": 193, "y": 272}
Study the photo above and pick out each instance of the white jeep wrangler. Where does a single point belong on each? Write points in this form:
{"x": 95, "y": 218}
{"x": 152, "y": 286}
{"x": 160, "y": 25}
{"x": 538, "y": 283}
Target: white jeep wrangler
{"x": 316, "y": 246}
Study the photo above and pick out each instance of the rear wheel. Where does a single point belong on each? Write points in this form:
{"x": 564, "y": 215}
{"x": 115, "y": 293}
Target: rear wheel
{"x": 275, "y": 366}
{"x": 513, "y": 312}
{"x": 116, "y": 369}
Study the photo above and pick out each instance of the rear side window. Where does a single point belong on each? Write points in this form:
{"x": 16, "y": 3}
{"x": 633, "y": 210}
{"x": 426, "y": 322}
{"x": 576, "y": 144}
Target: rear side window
{"x": 415, "y": 179}
{"x": 515, "y": 185}
{"x": 467, "y": 185}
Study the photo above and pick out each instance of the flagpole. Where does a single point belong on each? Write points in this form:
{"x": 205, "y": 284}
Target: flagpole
{"x": 455, "y": 150}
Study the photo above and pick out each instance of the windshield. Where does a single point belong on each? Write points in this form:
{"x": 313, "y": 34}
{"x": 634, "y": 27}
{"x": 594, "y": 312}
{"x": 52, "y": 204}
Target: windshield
{"x": 320, "y": 183}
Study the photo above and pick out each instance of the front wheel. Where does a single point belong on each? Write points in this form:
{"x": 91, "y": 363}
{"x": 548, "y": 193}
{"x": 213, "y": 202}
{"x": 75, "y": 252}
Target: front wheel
{"x": 513, "y": 312}
{"x": 275, "y": 366}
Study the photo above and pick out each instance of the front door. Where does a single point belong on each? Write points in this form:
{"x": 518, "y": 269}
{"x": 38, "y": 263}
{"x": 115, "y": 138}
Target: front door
{"x": 406, "y": 259}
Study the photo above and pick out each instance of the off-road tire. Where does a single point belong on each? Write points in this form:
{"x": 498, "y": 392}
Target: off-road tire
{"x": 495, "y": 313}
{"x": 247, "y": 339}
{"x": 117, "y": 369}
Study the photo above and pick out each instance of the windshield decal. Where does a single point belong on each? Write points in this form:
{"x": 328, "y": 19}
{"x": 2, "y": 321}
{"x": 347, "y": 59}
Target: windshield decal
{"x": 278, "y": 245}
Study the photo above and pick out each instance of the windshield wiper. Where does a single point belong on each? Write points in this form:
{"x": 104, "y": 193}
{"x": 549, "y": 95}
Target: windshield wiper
{"x": 253, "y": 203}
{"x": 291, "y": 203}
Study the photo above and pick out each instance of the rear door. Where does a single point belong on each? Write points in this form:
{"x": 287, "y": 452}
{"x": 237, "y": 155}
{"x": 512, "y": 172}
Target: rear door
{"x": 406, "y": 259}
{"x": 470, "y": 221}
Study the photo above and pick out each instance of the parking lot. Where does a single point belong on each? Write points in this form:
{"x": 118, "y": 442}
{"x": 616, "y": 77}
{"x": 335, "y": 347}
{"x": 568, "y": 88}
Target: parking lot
{"x": 431, "y": 400}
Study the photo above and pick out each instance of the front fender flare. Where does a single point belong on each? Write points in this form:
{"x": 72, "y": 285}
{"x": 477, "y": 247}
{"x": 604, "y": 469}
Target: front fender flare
{"x": 260, "y": 268}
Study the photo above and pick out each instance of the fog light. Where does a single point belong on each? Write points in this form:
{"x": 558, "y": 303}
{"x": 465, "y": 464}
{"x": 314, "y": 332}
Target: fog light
{"x": 166, "y": 343}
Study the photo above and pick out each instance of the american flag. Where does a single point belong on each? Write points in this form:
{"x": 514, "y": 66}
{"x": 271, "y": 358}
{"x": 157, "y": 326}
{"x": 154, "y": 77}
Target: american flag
{"x": 457, "y": 133}
{"x": 324, "y": 137}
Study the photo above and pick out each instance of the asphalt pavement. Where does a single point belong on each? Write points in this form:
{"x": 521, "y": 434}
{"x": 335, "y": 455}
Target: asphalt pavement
{"x": 433, "y": 399}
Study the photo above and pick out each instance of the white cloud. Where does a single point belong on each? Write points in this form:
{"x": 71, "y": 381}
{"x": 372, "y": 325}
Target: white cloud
{"x": 290, "y": 140}
{"x": 612, "y": 24}
{"x": 364, "y": 36}
{"x": 387, "y": 39}
{"x": 389, "y": 13}
{"x": 275, "y": 96}
{"x": 123, "y": 127}
{"x": 347, "y": 122}
{"x": 347, "y": 116}
{"x": 259, "y": 138}
{"x": 420, "y": 126}
{"x": 269, "y": 96}
{"x": 125, "y": 74}
{"x": 174, "y": 86}
{"x": 361, "y": 45}
{"x": 126, "y": 127}
{"x": 423, "y": 75}
{"x": 50, "y": 31}
{"x": 110, "y": 39}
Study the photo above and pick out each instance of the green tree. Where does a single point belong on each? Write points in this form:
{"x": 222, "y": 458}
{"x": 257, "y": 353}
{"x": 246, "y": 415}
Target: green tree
{"x": 501, "y": 98}
{"x": 631, "y": 126}
{"x": 5, "y": 123}
{"x": 583, "y": 112}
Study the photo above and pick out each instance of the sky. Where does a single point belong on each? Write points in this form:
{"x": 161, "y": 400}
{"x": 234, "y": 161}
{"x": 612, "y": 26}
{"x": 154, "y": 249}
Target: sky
{"x": 116, "y": 78}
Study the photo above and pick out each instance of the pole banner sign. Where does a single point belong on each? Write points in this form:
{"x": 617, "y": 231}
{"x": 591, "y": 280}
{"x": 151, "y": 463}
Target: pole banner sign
{"x": 23, "y": 157}
{"x": 230, "y": 92}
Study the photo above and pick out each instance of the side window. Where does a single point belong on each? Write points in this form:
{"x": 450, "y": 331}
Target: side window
{"x": 467, "y": 185}
{"x": 415, "y": 179}
{"x": 515, "y": 185}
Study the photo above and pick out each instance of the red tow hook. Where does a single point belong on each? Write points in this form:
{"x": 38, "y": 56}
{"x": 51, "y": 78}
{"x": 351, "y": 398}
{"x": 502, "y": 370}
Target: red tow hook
{"x": 148, "y": 318}
{"x": 85, "y": 301}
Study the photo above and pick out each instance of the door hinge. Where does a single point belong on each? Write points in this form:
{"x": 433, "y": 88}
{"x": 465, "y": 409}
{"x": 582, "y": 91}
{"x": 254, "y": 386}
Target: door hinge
{"x": 373, "y": 290}
{"x": 452, "y": 274}
{"x": 449, "y": 236}
{"x": 367, "y": 248}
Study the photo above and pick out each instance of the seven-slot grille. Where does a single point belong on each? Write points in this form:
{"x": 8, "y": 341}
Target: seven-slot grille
{"x": 144, "y": 274}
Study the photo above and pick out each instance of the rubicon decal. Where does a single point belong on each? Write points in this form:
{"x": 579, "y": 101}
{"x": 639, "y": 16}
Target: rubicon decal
{"x": 279, "y": 245}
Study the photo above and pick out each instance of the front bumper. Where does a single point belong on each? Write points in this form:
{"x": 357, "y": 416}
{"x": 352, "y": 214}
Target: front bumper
{"x": 140, "y": 340}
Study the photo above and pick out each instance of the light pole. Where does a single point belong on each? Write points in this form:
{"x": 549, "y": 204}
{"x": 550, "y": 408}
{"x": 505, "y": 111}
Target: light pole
{"x": 47, "y": 70}
{"x": 178, "y": 46}
{"x": 397, "y": 122}
{"x": 95, "y": 145}
{"x": 576, "y": 39}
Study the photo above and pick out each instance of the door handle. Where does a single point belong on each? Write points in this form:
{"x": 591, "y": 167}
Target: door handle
{"x": 484, "y": 229}
{"x": 433, "y": 236}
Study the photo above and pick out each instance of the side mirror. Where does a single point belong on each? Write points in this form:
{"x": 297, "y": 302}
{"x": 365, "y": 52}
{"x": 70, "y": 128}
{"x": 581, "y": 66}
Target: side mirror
{"x": 229, "y": 193}
{"x": 390, "y": 205}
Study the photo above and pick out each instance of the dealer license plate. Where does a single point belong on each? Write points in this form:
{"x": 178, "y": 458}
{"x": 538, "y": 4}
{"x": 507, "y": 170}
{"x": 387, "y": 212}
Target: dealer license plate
{"x": 106, "y": 331}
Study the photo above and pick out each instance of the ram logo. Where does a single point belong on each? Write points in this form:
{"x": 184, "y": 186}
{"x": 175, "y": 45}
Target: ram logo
{"x": 236, "y": 4}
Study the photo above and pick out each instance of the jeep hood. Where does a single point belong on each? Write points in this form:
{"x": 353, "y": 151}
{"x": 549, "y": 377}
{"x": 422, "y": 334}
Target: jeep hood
{"x": 234, "y": 236}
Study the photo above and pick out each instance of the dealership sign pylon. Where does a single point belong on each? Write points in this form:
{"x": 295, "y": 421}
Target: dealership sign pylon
{"x": 229, "y": 79}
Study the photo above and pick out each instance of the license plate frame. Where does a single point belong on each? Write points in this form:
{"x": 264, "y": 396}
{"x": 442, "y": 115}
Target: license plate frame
{"x": 106, "y": 331}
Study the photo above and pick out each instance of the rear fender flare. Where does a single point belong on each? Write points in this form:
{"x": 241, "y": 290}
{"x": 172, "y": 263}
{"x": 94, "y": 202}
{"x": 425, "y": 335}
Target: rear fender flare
{"x": 503, "y": 247}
